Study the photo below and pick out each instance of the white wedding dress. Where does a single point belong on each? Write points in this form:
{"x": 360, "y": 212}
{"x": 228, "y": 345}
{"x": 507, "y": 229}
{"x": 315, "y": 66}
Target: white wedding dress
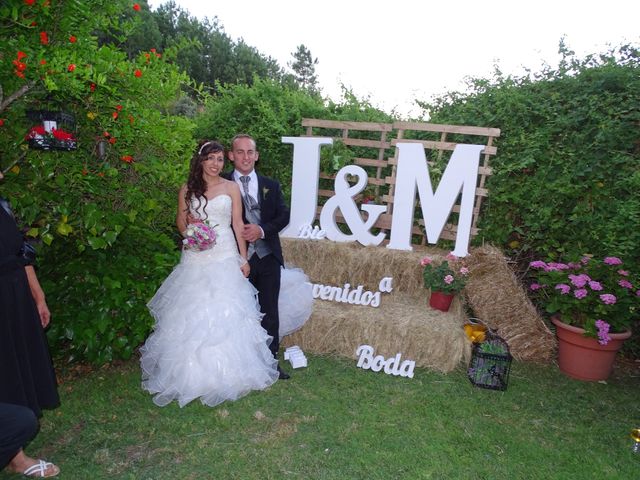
{"x": 207, "y": 342}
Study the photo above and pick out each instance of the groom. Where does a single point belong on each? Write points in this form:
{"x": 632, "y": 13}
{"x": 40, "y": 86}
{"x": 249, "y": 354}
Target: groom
{"x": 264, "y": 214}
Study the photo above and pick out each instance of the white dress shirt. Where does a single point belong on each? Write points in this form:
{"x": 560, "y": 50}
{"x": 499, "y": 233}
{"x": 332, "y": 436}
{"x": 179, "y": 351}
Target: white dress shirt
{"x": 253, "y": 187}
{"x": 253, "y": 183}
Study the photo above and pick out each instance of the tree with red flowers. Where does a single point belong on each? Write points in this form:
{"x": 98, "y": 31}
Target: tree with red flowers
{"x": 101, "y": 213}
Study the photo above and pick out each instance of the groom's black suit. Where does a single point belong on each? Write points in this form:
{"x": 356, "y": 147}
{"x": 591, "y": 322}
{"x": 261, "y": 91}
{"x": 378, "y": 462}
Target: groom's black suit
{"x": 265, "y": 271}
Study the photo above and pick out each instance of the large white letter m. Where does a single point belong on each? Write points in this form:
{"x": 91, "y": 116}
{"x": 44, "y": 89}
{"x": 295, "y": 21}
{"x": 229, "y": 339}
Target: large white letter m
{"x": 461, "y": 174}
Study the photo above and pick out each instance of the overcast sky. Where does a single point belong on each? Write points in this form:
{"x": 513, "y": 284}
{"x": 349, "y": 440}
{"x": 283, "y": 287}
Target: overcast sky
{"x": 395, "y": 51}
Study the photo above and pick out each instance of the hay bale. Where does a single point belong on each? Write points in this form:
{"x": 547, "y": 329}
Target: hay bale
{"x": 403, "y": 323}
{"x": 497, "y": 297}
{"x": 335, "y": 263}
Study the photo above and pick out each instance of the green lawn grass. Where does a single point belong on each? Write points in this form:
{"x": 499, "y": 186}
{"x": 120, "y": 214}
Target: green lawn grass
{"x": 335, "y": 421}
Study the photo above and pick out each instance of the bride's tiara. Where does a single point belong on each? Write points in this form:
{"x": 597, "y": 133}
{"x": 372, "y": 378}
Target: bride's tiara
{"x": 204, "y": 145}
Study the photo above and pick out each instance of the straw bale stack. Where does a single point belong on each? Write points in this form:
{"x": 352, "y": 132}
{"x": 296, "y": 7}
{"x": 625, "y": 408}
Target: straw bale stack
{"x": 403, "y": 323}
{"x": 497, "y": 297}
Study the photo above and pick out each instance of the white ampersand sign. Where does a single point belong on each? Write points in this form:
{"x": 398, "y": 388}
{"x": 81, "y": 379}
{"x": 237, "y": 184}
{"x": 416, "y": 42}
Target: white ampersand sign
{"x": 343, "y": 200}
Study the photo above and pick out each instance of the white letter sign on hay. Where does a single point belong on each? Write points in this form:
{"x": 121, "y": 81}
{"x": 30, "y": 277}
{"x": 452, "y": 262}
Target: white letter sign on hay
{"x": 312, "y": 233}
{"x": 357, "y": 296}
{"x": 459, "y": 176}
{"x": 304, "y": 184}
{"x": 343, "y": 200}
{"x": 391, "y": 366}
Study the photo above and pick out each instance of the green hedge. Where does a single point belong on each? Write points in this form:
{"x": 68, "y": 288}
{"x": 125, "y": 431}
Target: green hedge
{"x": 567, "y": 173}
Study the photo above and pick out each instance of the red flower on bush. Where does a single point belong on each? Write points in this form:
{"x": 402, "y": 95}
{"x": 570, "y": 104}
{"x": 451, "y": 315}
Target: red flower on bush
{"x": 127, "y": 158}
{"x": 92, "y": 87}
{"x": 136, "y": 7}
{"x": 71, "y": 67}
{"x": 44, "y": 38}
{"x": 131, "y": 119}
{"x": 73, "y": 39}
{"x": 112, "y": 140}
{"x": 138, "y": 73}
{"x": 115, "y": 115}
{"x": 19, "y": 65}
{"x": 29, "y": 2}
{"x": 106, "y": 134}
{"x": 1, "y": 122}
{"x": 43, "y": 61}
{"x": 119, "y": 108}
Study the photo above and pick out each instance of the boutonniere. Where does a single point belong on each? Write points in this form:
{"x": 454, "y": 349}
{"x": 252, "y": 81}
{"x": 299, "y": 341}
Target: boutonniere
{"x": 265, "y": 190}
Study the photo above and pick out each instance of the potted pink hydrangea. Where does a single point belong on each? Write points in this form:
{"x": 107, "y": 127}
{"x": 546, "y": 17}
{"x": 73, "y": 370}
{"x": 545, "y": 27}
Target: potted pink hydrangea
{"x": 592, "y": 303}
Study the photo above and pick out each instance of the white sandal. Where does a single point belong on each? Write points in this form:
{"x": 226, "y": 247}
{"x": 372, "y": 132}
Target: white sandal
{"x": 39, "y": 469}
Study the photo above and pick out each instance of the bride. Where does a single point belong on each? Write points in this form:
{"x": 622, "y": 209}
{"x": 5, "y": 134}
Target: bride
{"x": 207, "y": 341}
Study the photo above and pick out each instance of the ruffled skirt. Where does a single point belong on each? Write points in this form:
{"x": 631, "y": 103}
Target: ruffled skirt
{"x": 207, "y": 342}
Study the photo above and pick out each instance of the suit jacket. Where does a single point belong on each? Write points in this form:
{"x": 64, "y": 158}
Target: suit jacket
{"x": 274, "y": 212}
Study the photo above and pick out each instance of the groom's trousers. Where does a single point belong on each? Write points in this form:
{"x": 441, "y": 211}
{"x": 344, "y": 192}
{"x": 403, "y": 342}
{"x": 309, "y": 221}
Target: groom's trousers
{"x": 265, "y": 276}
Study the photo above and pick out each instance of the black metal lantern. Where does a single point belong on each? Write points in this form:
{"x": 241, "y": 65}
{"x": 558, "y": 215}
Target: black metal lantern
{"x": 53, "y": 130}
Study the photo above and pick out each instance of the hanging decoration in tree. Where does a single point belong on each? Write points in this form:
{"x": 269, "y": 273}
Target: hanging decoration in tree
{"x": 53, "y": 132}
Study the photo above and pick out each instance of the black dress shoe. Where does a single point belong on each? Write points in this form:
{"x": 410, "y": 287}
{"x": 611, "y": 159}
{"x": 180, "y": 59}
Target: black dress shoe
{"x": 282, "y": 375}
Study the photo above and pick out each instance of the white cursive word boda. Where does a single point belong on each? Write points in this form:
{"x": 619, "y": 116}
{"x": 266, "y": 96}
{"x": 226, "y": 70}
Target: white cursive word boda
{"x": 412, "y": 175}
{"x": 356, "y": 296}
{"x": 392, "y": 366}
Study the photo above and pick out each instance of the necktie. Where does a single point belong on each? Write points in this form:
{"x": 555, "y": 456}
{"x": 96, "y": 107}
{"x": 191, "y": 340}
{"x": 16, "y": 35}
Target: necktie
{"x": 250, "y": 202}
{"x": 252, "y": 213}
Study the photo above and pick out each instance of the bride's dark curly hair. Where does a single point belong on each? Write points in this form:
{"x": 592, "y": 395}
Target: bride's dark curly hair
{"x": 196, "y": 184}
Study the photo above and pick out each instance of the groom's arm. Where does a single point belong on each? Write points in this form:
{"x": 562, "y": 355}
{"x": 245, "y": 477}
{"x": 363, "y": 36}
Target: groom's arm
{"x": 280, "y": 218}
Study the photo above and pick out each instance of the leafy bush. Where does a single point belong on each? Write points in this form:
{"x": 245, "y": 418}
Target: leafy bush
{"x": 568, "y": 156}
{"x": 102, "y": 214}
{"x": 99, "y": 307}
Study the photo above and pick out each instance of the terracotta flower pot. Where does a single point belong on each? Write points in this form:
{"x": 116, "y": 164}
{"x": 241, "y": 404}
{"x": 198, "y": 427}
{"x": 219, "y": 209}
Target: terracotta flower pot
{"x": 440, "y": 301}
{"x": 583, "y": 357}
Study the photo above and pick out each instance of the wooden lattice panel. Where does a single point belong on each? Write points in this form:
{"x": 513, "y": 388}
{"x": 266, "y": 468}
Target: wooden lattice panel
{"x": 374, "y": 145}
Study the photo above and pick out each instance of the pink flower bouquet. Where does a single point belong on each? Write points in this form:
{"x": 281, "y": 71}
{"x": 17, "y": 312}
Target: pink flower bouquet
{"x": 199, "y": 236}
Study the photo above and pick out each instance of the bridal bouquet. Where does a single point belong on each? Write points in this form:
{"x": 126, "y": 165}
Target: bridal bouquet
{"x": 199, "y": 236}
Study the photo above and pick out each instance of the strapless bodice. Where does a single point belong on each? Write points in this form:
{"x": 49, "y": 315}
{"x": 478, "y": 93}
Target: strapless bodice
{"x": 217, "y": 212}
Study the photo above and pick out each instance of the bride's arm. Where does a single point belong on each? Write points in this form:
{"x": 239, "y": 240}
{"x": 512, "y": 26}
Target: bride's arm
{"x": 181, "y": 217}
{"x": 236, "y": 217}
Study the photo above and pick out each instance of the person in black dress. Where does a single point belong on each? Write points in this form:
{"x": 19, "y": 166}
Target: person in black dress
{"x": 27, "y": 377}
